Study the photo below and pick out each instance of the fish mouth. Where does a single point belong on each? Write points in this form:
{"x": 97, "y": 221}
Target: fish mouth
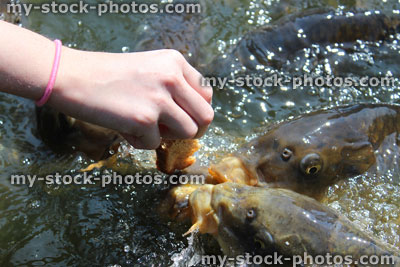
{"x": 226, "y": 199}
{"x": 226, "y": 193}
{"x": 232, "y": 169}
{"x": 262, "y": 178}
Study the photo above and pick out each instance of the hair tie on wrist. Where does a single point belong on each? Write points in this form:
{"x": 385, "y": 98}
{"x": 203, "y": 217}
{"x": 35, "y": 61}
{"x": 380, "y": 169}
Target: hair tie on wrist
{"x": 53, "y": 75}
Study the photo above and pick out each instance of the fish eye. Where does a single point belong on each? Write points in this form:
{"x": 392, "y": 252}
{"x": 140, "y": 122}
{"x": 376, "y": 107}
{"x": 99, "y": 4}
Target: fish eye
{"x": 259, "y": 244}
{"x": 311, "y": 164}
{"x": 251, "y": 214}
{"x": 313, "y": 169}
{"x": 286, "y": 154}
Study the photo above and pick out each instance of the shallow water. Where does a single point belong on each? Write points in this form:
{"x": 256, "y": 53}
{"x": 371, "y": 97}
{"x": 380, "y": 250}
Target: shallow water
{"x": 119, "y": 225}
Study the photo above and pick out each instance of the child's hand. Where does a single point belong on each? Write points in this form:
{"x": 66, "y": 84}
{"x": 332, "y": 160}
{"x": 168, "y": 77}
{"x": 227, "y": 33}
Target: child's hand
{"x": 145, "y": 95}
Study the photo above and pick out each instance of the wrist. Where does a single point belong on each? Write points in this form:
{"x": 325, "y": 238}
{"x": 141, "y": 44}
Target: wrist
{"x": 70, "y": 88}
{"x": 25, "y": 61}
{"x": 53, "y": 75}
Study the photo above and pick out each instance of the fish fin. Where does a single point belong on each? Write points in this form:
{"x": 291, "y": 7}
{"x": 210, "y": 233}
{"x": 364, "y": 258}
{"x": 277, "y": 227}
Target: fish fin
{"x": 357, "y": 158}
{"x": 195, "y": 228}
{"x": 202, "y": 225}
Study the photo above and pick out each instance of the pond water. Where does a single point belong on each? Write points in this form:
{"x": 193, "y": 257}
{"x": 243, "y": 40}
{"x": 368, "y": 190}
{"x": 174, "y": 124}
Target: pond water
{"x": 119, "y": 225}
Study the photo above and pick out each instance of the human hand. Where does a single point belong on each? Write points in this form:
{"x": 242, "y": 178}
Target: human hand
{"x": 143, "y": 95}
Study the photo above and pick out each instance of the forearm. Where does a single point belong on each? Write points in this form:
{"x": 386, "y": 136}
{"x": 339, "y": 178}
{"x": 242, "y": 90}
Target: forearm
{"x": 26, "y": 60}
{"x": 132, "y": 93}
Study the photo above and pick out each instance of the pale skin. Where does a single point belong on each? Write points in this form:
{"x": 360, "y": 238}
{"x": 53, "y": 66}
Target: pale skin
{"x": 143, "y": 95}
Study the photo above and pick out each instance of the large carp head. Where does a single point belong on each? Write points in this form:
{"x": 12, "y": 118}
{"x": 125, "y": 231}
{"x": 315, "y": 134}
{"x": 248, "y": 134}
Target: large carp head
{"x": 264, "y": 221}
{"x": 259, "y": 220}
{"x": 239, "y": 228}
{"x": 306, "y": 154}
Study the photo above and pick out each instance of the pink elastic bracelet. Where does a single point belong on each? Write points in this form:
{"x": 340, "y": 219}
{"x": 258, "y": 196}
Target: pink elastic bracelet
{"x": 53, "y": 75}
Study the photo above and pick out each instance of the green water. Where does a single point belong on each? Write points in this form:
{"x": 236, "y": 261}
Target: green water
{"x": 119, "y": 225}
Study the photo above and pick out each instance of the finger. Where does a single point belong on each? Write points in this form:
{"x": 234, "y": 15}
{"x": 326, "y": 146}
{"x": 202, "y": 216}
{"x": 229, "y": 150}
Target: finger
{"x": 179, "y": 124}
{"x": 197, "y": 82}
{"x": 202, "y": 130}
{"x": 165, "y": 132}
{"x": 150, "y": 139}
{"x": 193, "y": 104}
{"x": 133, "y": 140}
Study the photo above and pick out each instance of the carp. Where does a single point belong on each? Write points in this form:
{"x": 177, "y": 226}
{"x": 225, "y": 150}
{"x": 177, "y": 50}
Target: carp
{"x": 263, "y": 221}
{"x": 315, "y": 150}
{"x": 274, "y": 44}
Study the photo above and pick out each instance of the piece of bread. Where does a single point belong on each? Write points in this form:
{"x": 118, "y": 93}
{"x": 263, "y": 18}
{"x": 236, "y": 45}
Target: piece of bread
{"x": 176, "y": 154}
